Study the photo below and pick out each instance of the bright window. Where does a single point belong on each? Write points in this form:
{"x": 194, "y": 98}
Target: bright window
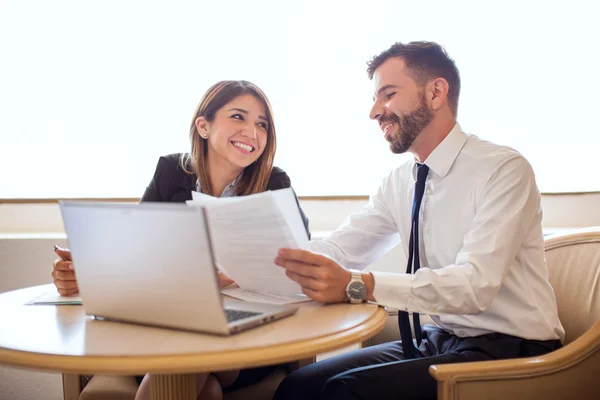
{"x": 92, "y": 93}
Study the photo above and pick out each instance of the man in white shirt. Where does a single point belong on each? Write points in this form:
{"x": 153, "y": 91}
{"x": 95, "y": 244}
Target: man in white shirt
{"x": 468, "y": 213}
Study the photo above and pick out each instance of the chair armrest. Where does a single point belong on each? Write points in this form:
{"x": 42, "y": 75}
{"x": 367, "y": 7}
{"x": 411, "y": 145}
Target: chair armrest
{"x": 564, "y": 373}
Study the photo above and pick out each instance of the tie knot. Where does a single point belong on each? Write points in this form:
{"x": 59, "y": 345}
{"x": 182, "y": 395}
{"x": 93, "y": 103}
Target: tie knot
{"x": 422, "y": 170}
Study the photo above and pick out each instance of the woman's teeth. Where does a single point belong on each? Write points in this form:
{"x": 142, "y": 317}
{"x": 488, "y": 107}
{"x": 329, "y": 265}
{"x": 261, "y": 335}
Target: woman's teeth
{"x": 243, "y": 146}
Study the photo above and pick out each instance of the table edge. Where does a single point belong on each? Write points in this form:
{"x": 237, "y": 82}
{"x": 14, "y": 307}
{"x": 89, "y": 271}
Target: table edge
{"x": 188, "y": 363}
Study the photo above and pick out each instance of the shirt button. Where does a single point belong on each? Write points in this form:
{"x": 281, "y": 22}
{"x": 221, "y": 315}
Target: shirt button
{"x": 429, "y": 192}
{"x": 461, "y": 334}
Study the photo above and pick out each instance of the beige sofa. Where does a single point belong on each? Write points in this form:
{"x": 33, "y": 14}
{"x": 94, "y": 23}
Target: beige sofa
{"x": 568, "y": 373}
{"x": 571, "y": 372}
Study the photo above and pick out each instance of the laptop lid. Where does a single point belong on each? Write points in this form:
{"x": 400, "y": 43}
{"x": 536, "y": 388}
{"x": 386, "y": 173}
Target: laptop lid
{"x": 152, "y": 263}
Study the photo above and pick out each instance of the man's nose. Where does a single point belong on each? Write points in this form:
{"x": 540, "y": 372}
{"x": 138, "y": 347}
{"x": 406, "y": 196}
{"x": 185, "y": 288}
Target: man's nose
{"x": 376, "y": 111}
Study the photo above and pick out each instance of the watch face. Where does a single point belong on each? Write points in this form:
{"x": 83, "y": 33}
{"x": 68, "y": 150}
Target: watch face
{"x": 357, "y": 291}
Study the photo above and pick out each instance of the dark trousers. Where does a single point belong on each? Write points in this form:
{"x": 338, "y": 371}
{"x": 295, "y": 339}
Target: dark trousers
{"x": 381, "y": 372}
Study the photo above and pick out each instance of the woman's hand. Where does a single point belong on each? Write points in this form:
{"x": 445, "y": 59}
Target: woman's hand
{"x": 224, "y": 280}
{"x": 63, "y": 273}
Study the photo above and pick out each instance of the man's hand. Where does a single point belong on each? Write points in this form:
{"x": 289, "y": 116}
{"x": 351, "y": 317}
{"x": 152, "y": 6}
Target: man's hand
{"x": 321, "y": 278}
{"x": 64, "y": 274}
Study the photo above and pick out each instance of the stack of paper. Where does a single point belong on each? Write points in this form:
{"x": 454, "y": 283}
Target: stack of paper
{"x": 52, "y": 297}
{"x": 246, "y": 233}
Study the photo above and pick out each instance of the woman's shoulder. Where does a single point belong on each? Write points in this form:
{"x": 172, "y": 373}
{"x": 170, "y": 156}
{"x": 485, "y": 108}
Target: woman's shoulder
{"x": 172, "y": 162}
{"x": 279, "y": 179}
{"x": 171, "y": 182}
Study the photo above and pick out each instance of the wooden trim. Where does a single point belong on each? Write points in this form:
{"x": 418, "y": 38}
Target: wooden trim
{"x": 53, "y": 201}
{"x": 188, "y": 363}
{"x": 303, "y": 198}
{"x": 334, "y": 198}
{"x": 135, "y": 199}
{"x": 556, "y": 194}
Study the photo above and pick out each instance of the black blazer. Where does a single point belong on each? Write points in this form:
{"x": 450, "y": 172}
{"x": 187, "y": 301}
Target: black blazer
{"x": 172, "y": 184}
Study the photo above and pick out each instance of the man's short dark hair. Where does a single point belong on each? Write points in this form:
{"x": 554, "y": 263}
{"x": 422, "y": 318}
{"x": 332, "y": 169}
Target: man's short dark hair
{"x": 425, "y": 61}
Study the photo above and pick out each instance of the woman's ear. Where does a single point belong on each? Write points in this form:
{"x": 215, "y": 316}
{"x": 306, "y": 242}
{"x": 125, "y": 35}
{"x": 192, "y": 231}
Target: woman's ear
{"x": 202, "y": 126}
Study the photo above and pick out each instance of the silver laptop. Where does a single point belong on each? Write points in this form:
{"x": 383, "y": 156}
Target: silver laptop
{"x": 153, "y": 264}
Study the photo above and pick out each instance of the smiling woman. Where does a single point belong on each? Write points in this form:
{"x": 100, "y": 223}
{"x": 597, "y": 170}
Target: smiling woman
{"x": 233, "y": 144}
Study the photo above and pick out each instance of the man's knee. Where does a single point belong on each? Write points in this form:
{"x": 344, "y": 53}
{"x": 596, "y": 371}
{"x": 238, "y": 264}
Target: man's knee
{"x": 339, "y": 387}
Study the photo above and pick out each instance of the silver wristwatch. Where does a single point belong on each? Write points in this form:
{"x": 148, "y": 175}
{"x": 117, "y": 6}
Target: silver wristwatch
{"x": 356, "y": 290}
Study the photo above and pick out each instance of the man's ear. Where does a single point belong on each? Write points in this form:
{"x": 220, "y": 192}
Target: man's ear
{"x": 202, "y": 126}
{"x": 437, "y": 93}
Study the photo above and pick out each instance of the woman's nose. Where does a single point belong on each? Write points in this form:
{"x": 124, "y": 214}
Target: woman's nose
{"x": 249, "y": 131}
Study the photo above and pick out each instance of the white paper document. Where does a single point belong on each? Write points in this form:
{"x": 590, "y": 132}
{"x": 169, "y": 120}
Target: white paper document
{"x": 263, "y": 297}
{"x": 52, "y": 297}
{"x": 246, "y": 232}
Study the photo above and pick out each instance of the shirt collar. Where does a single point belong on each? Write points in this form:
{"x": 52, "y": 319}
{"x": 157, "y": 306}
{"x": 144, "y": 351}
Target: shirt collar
{"x": 229, "y": 190}
{"x": 443, "y": 156}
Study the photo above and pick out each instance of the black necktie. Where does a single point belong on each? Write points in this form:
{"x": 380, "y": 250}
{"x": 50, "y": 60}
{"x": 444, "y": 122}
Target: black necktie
{"x": 413, "y": 254}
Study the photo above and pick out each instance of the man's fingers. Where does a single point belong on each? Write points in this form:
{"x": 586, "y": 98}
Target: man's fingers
{"x": 300, "y": 268}
{"x": 305, "y": 256}
{"x": 63, "y": 275}
{"x": 304, "y": 281}
{"x": 62, "y": 265}
{"x": 313, "y": 294}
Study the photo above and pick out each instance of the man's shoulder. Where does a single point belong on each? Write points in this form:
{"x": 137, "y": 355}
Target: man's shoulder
{"x": 484, "y": 160}
{"x": 489, "y": 153}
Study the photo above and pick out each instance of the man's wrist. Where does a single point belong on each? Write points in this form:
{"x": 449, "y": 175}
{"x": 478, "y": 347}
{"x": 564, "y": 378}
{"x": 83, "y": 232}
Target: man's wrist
{"x": 369, "y": 281}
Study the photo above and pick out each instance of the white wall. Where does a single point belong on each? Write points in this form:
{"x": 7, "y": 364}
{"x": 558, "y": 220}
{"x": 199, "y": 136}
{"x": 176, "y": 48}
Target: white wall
{"x": 27, "y": 233}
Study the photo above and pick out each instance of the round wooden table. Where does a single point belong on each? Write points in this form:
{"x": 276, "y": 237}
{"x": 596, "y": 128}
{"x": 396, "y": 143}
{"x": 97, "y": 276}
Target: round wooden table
{"x": 63, "y": 338}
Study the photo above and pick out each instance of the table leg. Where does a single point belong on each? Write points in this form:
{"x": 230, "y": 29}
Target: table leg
{"x": 71, "y": 386}
{"x": 173, "y": 387}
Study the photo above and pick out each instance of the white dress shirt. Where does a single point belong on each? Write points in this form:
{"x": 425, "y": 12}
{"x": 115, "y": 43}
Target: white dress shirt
{"x": 482, "y": 250}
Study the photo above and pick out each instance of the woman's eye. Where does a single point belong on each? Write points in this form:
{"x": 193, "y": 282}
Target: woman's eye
{"x": 263, "y": 125}
{"x": 238, "y": 116}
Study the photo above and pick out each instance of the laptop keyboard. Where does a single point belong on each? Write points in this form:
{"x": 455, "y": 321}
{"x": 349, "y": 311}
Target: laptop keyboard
{"x": 234, "y": 315}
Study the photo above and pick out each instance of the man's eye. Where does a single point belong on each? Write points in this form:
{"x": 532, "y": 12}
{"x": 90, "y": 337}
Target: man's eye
{"x": 390, "y": 95}
{"x": 238, "y": 116}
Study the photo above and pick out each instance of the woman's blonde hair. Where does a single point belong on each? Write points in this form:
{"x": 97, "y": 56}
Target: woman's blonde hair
{"x": 256, "y": 175}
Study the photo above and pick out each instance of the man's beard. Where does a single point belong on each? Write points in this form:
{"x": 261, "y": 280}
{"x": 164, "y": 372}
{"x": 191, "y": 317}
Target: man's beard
{"x": 409, "y": 127}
